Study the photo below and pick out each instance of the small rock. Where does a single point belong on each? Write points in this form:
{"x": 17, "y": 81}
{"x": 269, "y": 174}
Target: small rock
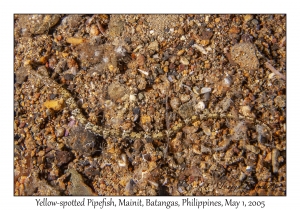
{"x": 38, "y": 24}
{"x": 140, "y": 60}
{"x": 176, "y": 145}
{"x": 141, "y": 96}
{"x": 21, "y": 75}
{"x": 184, "y": 98}
{"x": 205, "y": 90}
{"x": 175, "y": 103}
{"x": 234, "y": 30}
{"x": 280, "y": 101}
{"x": 186, "y": 110}
{"x": 207, "y": 65}
{"x": 116, "y": 91}
{"x": 206, "y": 35}
{"x": 246, "y": 110}
{"x": 94, "y": 30}
{"x": 261, "y": 192}
{"x": 206, "y": 130}
{"x": 252, "y": 148}
{"x": 206, "y": 96}
{"x": 190, "y": 129}
{"x": 200, "y": 48}
{"x": 145, "y": 119}
{"x": 205, "y": 149}
{"x": 180, "y": 52}
{"x": 200, "y": 106}
{"x": 82, "y": 141}
{"x": 63, "y": 157}
{"x": 180, "y": 31}
{"x": 56, "y": 105}
{"x": 244, "y": 54}
{"x": 184, "y": 61}
{"x": 196, "y": 149}
{"x": 196, "y": 90}
{"x": 77, "y": 186}
{"x": 132, "y": 98}
{"x": 153, "y": 46}
{"x": 204, "y": 42}
{"x": 74, "y": 40}
{"x": 254, "y": 22}
{"x": 248, "y": 18}
{"x": 60, "y": 132}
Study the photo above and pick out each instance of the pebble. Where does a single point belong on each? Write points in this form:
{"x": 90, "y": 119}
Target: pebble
{"x": 186, "y": 110}
{"x": 280, "y": 101}
{"x": 252, "y": 148}
{"x": 21, "y": 75}
{"x": 57, "y": 104}
{"x": 234, "y": 30}
{"x": 94, "y": 30}
{"x": 175, "y": 103}
{"x": 184, "y": 98}
{"x": 184, "y": 61}
{"x": 204, "y": 42}
{"x": 206, "y": 130}
{"x": 74, "y": 40}
{"x": 60, "y": 132}
{"x": 205, "y": 90}
{"x": 207, "y": 65}
{"x": 180, "y": 52}
{"x": 77, "y": 186}
{"x": 63, "y": 157}
{"x": 39, "y": 24}
{"x": 141, "y": 96}
{"x": 200, "y": 106}
{"x": 132, "y": 98}
{"x": 140, "y": 60}
{"x": 116, "y": 91}
{"x": 206, "y": 96}
{"x": 244, "y": 54}
{"x": 248, "y": 17}
{"x": 153, "y": 46}
{"x": 200, "y": 48}
{"x": 196, "y": 90}
{"x": 246, "y": 110}
{"x": 145, "y": 119}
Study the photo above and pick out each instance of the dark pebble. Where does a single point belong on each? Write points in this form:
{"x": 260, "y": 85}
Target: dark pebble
{"x": 254, "y": 22}
{"x": 63, "y": 157}
{"x": 128, "y": 40}
{"x": 149, "y": 140}
{"x": 69, "y": 77}
{"x": 53, "y": 96}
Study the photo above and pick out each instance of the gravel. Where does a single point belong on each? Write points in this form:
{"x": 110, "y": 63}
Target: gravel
{"x": 150, "y": 104}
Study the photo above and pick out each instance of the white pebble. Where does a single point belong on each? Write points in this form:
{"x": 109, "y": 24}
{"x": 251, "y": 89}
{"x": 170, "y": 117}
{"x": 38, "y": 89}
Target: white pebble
{"x": 227, "y": 81}
{"x": 205, "y": 90}
{"x": 200, "y": 106}
{"x": 132, "y": 98}
{"x": 200, "y": 48}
